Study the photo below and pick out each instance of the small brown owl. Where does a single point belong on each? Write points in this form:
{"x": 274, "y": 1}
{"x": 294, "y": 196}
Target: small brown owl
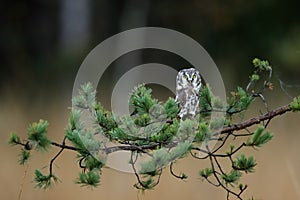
{"x": 188, "y": 84}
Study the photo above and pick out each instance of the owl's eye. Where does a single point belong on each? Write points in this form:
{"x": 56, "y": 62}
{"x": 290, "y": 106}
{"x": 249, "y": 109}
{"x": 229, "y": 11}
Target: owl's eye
{"x": 185, "y": 76}
{"x": 194, "y": 76}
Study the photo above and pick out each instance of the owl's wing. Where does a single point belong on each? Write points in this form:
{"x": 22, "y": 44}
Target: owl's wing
{"x": 181, "y": 97}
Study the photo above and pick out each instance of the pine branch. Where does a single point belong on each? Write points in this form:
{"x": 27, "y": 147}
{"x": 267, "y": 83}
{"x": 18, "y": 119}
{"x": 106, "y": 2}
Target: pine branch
{"x": 155, "y": 129}
{"x": 256, "y": 120}
{"x": 235, "y": 127}
{"x": 64, "y": 146}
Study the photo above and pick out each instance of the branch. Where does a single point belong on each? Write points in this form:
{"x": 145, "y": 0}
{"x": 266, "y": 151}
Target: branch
{"x": 215, "y": 174}
{"x": 53, "y": 159}
{"x": 181, "y": 176}
{"x": 63, "y": 146}
{"x": 256, "y": 120}
{"x": 142, "y": 149}
{"x": 235, "y": 127}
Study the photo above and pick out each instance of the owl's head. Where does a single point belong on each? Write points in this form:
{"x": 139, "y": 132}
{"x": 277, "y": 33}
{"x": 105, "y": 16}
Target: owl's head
{"x": 189, "y": 78}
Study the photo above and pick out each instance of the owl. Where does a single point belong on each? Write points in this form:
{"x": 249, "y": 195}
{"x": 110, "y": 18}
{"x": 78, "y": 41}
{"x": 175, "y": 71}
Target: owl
{"x": 188, "y": 84}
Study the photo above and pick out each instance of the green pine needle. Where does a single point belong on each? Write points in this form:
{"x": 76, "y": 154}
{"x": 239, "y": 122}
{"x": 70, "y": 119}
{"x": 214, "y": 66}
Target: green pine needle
{"x": 24, "y": 157}
{"x": 295, "y": 104}
{"x": 239, "y": 101}
{"x": 205, "y": 173}
{"x": 77, "y": 140}
{"x": 180, "y": 150}
{"x": 86, "y": 96}
{"x": 259, "y": 138}
{"x": 37, "y": 135}
{"x": 171, "y": 108}
{"x": 160, "y": 159}
{"x": 93, "y": 163}
{"x": 14, "y": 139}
{"x": 205, "y": 98}
{"x": 261, "y": 65}
{"x": 141, "y": 100}
{"x": 145, "y": 184}
{"x": 43, "y": 181}
{"x": 254, "y": 77}
{"x": 244, "y": 164}
{"x": 232, "y": 177}
{"x": 89, "y": 179}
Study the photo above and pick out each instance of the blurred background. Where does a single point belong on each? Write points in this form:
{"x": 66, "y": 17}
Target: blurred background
{"x": 43, "y": 43}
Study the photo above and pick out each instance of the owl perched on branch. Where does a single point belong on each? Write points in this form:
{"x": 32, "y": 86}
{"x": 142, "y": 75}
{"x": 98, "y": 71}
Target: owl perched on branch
{"x": 188, "y": 84}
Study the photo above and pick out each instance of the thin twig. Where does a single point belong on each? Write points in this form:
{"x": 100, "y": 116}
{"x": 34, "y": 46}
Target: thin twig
{"x": 54, "y": 158}
{"x": 132, "y": 162}
{"x": 64, "y": 146}
{"x": 217, "y": 178}
{"x": 173, "y": 173}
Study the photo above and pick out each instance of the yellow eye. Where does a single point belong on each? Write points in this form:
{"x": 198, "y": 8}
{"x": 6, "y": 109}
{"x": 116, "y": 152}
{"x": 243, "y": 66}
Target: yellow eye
{"x": 194, "y": 76}
{"x": 185, "y": 76}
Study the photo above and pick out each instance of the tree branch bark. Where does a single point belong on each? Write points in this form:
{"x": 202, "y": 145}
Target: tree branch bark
{"x": 235, "y": 127}
{"x": 256, "y": 120}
